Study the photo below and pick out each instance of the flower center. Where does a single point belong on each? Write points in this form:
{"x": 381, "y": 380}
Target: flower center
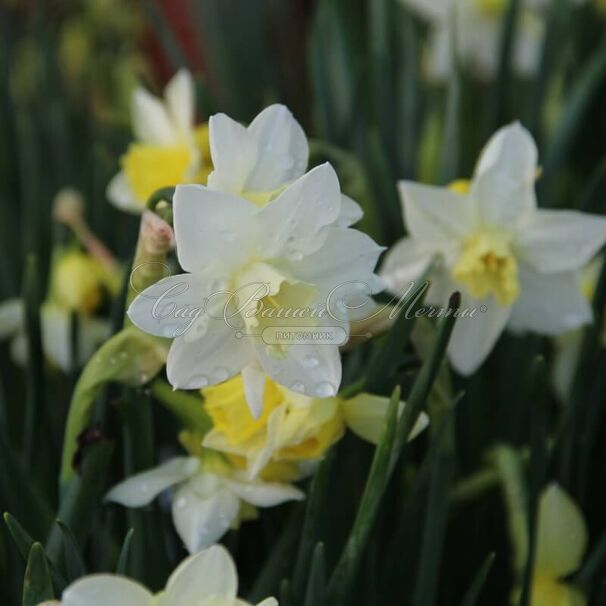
{"x": 487, "y": 266}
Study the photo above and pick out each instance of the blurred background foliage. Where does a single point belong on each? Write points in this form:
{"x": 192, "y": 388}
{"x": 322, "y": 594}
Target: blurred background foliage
{"x": 352, "y": 73}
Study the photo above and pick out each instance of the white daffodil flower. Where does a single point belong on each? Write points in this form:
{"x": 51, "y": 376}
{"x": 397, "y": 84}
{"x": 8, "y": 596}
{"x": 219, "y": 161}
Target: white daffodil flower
{"x": 257, "y": 162}
{"x": 515, "y": 264}
{"x": 208, "y": 496}
{"x": 55, "y": 325}
{"x": 477, "y": 26}
{"x": 169, "y": 148}
{"x": 259, "y": 278}
{"x": 208, "y": 578}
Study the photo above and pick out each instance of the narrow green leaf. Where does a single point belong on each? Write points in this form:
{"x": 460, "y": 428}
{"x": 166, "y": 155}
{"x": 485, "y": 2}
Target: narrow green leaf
{"x": 35, "y": 387}
{"x": 383, "y": 367}
{"x": 344, "y": 574}
{"x": 316, "y": 582}
{"x": 124, "y": 552}
{"x": 473, "y": 593}
{"x": 37, "y": 584}
{"x": 23, "y": 541}
{"x": 593, "y": 197}
{"x": 309, "y": 533}
{"x": 74, "y": 563}
{"x": 81, "y": 497}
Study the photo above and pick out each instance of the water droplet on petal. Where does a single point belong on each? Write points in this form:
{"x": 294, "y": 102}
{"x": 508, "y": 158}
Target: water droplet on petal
{"x": 181, "y": 503}
{"x": 298, "y": 387}
{"x": 221, "y": 373}
{"x": 295, "y": 255}
{"x": 324, "y": 389}
{"x": 199, "y": 381}
{"x": 310, "y": 361}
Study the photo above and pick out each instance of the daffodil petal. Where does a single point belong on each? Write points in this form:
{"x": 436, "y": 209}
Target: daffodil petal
{"x": 282, "y": 149}
{"x": 208, "y": 221}
{"x": 405, "y": 263}
{"x": 436, "y": 213}
{"x": 561, "y": 534}
{"x": 151, "y": 122}
{"x": 549, "y": 304}
{"x": 557, "y": 241}
{"x": 104, "y": 589}
{"x": 503, "y": 183}
{"x": 254, "y": 387}
{"x": 210, "y": 573}
{"x": 120, "y": 194}
{"x": 365, "y": 416}
{"x": 202, "y": 513}
{"x": 179, "y": 96}
{"x": 351, "y": 212}
{"x": 474, "y": 337}
{"x": 314, "y": 370}
{"x": 233, "y": 152}
{"x": 294, "y": 222}
{"x": 173, "y": 306}
{"x": 142, "y": 488}
{"x": 263, "y": 494}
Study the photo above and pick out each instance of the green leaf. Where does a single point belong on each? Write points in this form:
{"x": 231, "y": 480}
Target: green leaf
{"x": 344, "y": 574}
{"x": 316, "y": 583}
{"x": 316, "y": 501}
{"x": 37, "y": 584}
{"x": 593, "y": 564}
{"x": 473, "y": 593}
{"x": 23, "y": 541}
{"x": 130, "y": 357}
{"x": 82, "y": 497}
{"x": 124, "y": 552}
{"x": 74, "y": 564}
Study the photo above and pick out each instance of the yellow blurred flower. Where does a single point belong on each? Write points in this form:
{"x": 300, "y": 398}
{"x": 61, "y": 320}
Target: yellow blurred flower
{"x": 291, "y": 428}
{"x": 168, "y": 149}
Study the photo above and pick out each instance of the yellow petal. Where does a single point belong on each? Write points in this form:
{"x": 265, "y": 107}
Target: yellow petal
{"x": 561, "y": 534}
{"x": 547, "y": 592}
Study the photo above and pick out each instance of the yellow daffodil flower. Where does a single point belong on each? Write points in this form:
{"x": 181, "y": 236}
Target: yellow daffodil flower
{"x": 292, "y": 427}
{"x": 168, "y": 149}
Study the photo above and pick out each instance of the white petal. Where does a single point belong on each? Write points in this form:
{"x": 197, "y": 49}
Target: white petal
{"x": 504, "y": 178}
{"x": 11, "y": 317}
{"x": 173, "y": 306}
{"x": 233, "y": 152}
{"x": 263, "y": 494}
{"x": 436, "y": 213}
{"x": 179, "y": 97}
{"x": 282, "y": 150}
{"x": 215, "y": 356}
{"x": 212, "y": 229}
{"x": 549, "y": 304}
{"x": 254, "y": 387}
{"x": 345, "y": 262}
{"x": 351, "y": 212}
{"x": 120, "y": 194}
{"x": 405, "y": 263}
{"x": 143, "y": 488}
{"x": 293, "y": 223}
{"x": 210, "y": 573}
{"x": 203, "y": 512}
{"x": 104, "y": 589}
{"x": 529, "y": 44}
{"x": 365, "y": 416}
{"x": 151, "y": 122}
{"x": 294, "y": 371}
{"x": 268, "y": 602}
{"x": 555, "y": 241}
{"x": 474, "y": 337}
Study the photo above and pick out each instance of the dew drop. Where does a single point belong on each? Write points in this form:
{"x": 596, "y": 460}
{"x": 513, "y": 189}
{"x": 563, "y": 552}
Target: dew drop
{"x": 298, "y": 387}
{"x": 221, "y": 373}
{"x": 181, "y": 503}
{"x": 310, "y": 362}
{"x": 295, "y": 255}
{"x": 324, "y": 389}
{"x": 200, "y": 381}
